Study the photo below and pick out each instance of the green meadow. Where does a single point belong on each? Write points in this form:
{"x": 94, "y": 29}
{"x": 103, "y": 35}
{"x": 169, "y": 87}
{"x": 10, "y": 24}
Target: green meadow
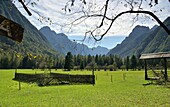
{"x": 118, "y": 92}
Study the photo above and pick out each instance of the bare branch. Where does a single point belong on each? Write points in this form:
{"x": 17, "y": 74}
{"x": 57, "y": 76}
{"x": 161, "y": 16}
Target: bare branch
{"x": 104, "y": 16}
{"x": 120, "y": 14}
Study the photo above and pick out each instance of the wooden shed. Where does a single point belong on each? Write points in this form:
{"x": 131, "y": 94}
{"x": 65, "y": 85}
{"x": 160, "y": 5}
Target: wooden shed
{"x": 160, "y": 55}
{"x": 11, "y": 29}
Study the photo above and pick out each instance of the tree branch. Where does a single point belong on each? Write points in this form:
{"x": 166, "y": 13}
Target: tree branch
{"x": 105, "y": 11}
{"x": 29, "y": 13}
{"x": 131, "y": 11}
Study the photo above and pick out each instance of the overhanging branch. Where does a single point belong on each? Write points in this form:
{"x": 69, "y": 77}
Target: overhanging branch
{"x": 26, "y": 9}
{"x": 131, "y": 11}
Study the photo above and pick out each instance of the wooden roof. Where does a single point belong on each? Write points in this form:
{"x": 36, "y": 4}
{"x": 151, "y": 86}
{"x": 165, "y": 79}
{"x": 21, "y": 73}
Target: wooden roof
{"x": 155, "y": 55}
{"x": 11, "y": 29}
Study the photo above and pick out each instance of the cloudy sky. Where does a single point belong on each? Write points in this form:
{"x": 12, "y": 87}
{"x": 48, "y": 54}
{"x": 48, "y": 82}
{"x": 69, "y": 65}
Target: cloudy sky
{"x": 60, "y": 20}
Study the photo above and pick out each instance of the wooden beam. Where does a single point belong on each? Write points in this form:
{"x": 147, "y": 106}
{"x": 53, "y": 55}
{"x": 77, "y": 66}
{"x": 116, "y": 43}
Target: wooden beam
{"x": 165, "y": 67}
{"x": 155, "y": 55}
{"x": 146, "y": 74}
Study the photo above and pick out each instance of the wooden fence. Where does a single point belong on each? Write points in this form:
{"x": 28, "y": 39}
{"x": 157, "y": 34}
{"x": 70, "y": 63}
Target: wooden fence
{"x": 55, "y": 78}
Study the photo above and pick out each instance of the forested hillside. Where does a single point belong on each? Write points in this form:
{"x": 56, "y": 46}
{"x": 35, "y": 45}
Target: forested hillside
{"x": 158, "y": 40}
{"x": 33, "y": 41}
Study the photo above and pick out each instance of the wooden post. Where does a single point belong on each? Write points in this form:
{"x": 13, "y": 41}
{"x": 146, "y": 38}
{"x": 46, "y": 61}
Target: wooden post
{"x": 111, "y": 78}
{"x": 93, "y": 75}
{"x": 19, "y": 85}
{"x": 165, "y": 67}
{"x": 69, "y": 79}
{"x": 124, "y": 76}
{"x": 15, "y": 73}
{"x": 146, "y": 75}
{"x": 49, "y": 69}
{"x": 15, "y": 70}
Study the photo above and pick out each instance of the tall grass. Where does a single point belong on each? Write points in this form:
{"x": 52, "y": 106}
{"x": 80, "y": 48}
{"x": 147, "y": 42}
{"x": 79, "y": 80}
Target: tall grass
{"x": 127, "y": 91}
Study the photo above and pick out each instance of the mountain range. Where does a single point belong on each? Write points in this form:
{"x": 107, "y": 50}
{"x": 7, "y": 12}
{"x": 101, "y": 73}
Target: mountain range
{"x": 107, "y": 41}
{"x": 45, "y": 41}
{"x": 63, "y": 44}
{"x": 144, "y": 40}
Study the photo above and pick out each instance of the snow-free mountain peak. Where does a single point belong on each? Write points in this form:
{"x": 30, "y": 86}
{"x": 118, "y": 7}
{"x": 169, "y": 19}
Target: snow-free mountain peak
{"x": 62, "y": 44}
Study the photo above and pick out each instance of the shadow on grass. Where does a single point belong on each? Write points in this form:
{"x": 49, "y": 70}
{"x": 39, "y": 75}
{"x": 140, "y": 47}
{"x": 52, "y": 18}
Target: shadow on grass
{"x": 158, "y": 82}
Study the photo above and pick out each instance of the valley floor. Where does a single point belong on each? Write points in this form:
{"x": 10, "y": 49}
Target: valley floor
{"x": 128, "y": 91}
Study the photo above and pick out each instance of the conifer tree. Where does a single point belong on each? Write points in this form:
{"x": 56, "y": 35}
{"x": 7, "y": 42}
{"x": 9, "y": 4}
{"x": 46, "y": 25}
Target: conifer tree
{"x": 69, "y": 64}
{"x": 133, "y": 62}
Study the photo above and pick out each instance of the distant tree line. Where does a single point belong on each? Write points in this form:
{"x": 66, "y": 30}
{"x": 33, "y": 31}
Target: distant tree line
{"x": 108, "y": 62}
{"x": 29, "y": 61}
{"x": 98, "y": 62}
{"x": 74, "y": 62}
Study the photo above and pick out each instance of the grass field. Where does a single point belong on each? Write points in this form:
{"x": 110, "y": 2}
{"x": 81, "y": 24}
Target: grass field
{"x": 118, "y": 93}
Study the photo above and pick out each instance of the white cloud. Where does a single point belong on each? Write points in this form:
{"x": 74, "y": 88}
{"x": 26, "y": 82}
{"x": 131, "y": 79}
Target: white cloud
{"x": 53, "y": 9}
